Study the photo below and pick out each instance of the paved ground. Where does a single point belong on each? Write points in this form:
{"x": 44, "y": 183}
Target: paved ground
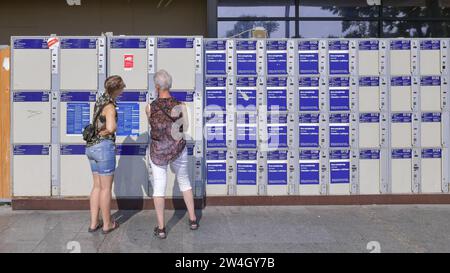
{"x": 237, "y": 229}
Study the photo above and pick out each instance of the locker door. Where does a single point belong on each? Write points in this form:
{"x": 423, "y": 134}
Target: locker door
{"x": 246, "y": 57}
{"x": 369, "y": 130}
{"x": 368, "y": 58}
{"x": 401, "y": 134}
{"x": 369, "y": 94}
{"x": 369, "y": 172}
{"x": 431, "y": 130}
{"x": 246, "y": 130}
{"x": 246, "y": 173}
{"x": 215, "y": 94}
{"x": 338, "y": 57}
{"x": 276, "y": 56}
{"x": 431, "y": 171}
{"x": 400, "y": 57}
{"x": 277, "y": 177}
{"x": 308, "y": 57}
{"x": 309, "y": 130}
{"x": 76, "y": 175}
{"x": 339, "y": 130}
{"x": 216, "y": 172}
{"x": 215, "y": 57}
{"x": 339, "y": 172}
{"x": 309, "y": 177}
{"x": 339, "y": 94}
{"x": 401, "y": 171}
{"x": 132, "y": 124}
{"x": 401, "y": 94}
{"x": 277, "y": 131}
{"x": 276, "y": 94}
{"x": 430, "y": 93}
{"x": 430, "y": 57}
{"x": 309, "y": 94}
{"x": 216, "y": 131}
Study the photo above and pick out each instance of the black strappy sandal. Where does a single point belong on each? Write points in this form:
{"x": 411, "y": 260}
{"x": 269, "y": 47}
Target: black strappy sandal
{"x": 193, "y": 224}
{"x": 92, "y": 230}
{"x": 160, "y": 233}
{"x": 115, "y": 226}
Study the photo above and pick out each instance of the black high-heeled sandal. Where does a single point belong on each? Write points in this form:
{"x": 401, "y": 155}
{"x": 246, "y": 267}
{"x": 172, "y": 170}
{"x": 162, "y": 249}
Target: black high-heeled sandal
{"x": 193, "y": 224}
{"x": 92, "y": 230}
{"x": 160, "y": 232}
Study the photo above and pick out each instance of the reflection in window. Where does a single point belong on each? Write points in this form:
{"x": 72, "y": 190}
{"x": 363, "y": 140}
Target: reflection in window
{"x": 416, "y": 29}
{"x": 338, "y": 29}
{"x": 271, "y": 8}
{"x": 242, "y": 29}
{"x": 336, "y": 8}
{"x": 416, "y": 8}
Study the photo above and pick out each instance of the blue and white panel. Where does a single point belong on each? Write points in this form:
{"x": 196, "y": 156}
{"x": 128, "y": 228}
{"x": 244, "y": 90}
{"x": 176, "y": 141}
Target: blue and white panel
{"x": 215, "y": 57}
{"x": 309, "y": 128}
{"x": 216, "y": 172}
{"x": 215, "y": 94}
{"x": 246, "y": 173}
{"x": 276, "y": 94}
{"x": 339, "y": 171}
{"x": 74, "y": 167}
{"x": 339, "y": 130}
{"x": 246, "y": 94}
{"x": 132, "y": 124}
{"x": 338, "y": 57}
{"x": 277, "y": 173}
{"x": 309, "y": 174}
{"x": 308, "y": 57}
{"x": 276, "y": 57}
{"x": 246, "y": 131}
{"x": 277, "y": 131}
{"x": 309, "y": 93}
{"x": 339, "y": 94}
{"x": 246, "y": 57}
{"x": 216, "y": 130}
{"x": 430, "y": 61}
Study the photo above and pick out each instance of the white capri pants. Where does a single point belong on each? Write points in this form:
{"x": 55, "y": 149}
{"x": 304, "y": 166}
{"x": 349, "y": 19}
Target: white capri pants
{"x": 179, "y": 166}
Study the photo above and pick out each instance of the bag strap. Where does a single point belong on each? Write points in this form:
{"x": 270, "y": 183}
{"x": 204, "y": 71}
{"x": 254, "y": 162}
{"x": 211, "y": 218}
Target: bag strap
{"x": 97, "y": 115}
{"x": 169, "y": 116}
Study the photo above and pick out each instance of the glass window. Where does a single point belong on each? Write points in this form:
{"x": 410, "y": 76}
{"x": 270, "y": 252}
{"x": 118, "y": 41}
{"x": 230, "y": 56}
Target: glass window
{"x": 416, "y": 8}
{"x": 336, "y": 8}
{"x": 416, "y": 29}
{"x": 271, "y": 8}
{"x": 242, "y": 29}
{"x": 338, "y": 29}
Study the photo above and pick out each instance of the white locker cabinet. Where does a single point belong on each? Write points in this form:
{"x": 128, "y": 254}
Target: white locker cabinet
{"x": 431, "y": 170}
{"x": 431, "y": 130}
{"x": 401, "y": 130}
{"x": 338, "y": 57}
{"x": 128, "y": 58}
{"x": 401, "y": 171}
{"x": 246, "y": 130}
{"x": 76, "y": 175}
{"x": 339, "y": 172}
{"x": 276, "y": 57}
{"x": 277, "y": 173}
{"x": 216, "y": 172}
{"x": 339, "y": 94}
{"x": 76, "y": 110}
{"x": 246, "y": 57}
{"x": 308, "y": 89}
{"x": 276, "y": 93}
{"x": 132, "y": 124}
{"x": 31, "y": 110}
{"x": 131, "y": 178}
{"x": 401, "y": 94}
{"x": 369, "y": 171}
{"x": 216, "y": 130}
{"x": 308, "y": 57}
{"x": 246, "y": 173}
{"x": 31, "y": 171}
{"x": 79, "y": 64}
{"x": 277, "y": 131}
{"x": 215, "y": 57}
{"x": 173, "y": 188}
{"x": 173, "y": 51}
{"x": 369, "y": 94}
{"x": 246, "y": 94}
{"x": 309, "y": 130}
{"x": 369, "y": 130}
{"x": 31, "y": 64}
{"x": 309, "y": 177}
{"x": 339, "y": 130}
{"x": 368, "y": 58}
{"x": 215, "y": 94}
{"x": 430, "y": 93}
{"x": 430, "y": 57}
{"x": 400, "y": 57}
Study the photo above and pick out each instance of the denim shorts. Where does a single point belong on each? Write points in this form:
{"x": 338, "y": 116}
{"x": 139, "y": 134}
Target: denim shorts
{"x": 102, "y": 157}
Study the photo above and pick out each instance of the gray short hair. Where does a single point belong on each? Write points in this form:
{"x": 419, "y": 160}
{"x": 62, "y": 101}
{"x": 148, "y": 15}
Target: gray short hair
{"x": 163, "y": 79}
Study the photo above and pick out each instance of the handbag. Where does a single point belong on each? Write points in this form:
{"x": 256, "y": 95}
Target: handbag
{"x": 90, "y": 131}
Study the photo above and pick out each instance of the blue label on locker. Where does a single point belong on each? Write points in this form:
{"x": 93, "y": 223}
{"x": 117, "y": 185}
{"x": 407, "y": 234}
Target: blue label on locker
{"x": 309, "y": 118}
{"x": 132, "y": 96}
{"x": 276, "y": 99}
{"x": 339, "y": 118}
{"x": 430, "y": 45}
{"x": 73, "y": 150}
{"x": 400, "y": 45}
{"x": 185, "y": 96}
{"x": 431, "y": 153}
{"x": 339, "y": 136}
{"x": 339, "y": 82}
{"x": 246, "y": 155}
{"x": 401, "y": 81}
{"x": 430, "y": 81}
{"x": 246, "y": 172}
{"x": 339, "y": 99}
{"x": 401, "y": 153}
{"x": 138, "y": 150}
{"x": 77, "y": 117}
{"x": 30, "y": 44}
{"x": 216, "y": 136}
{"x": 216, "y": 82}
{"x": 246, "y": 137}
{"x": 339, "y": 172}
{"x": 309, "y": 99}
{"x": 277, "y": 136}
{"x": 31, "y": 150}
{"x": 339, "y": 63}
{"x": 190, "y": 149}
{"x": 276, "y": 173}
{"x": 309, "y": 173}
{"x": 216, "y": 173}
{"x": 215, "y": 45}
{"x": 175, "y": 42}
{"x": 277, "y": 118}
{"x": 308, "y": 82}
{"x": 246, "y": 81}
{"x": 215, "y": 63}
{"x": 309, "y": 136}
{"x": 431, "y": 117}
{"x": 246, "y": 99}
{"x": 31, "y": 97}
{"x": 246, "y": 45}
{"x": 401, "y": 117}
{"x": 276, "y": 63}
{"x": 276, "y": 81}
{"x": 128, "y": 119}
{"x": 277, "y": 155}
{"x": 308, "y": 63}
{"x": 369, "y": 81}
{"x": 337, "y": 45}
{"x": 309, "y": 155}
{"x": 128, "y": 43}
{"x": 369, "y": 154}
{"x": 369, "y": 117}
{"x": 78, "y": 96}
{"x": 276, "y": 45}
{"x": 216, "y": 118}
{"x": 246, "y": 63}
{"x": 246, "y": 118}
{"x": 339, "y": 154}
{"x": 308, "y": 45}
{"x": 216, "y": 155}
{"x": 215, "y": 99}
{"x": 78, "y": 43}
{"x": 368, "y": 45}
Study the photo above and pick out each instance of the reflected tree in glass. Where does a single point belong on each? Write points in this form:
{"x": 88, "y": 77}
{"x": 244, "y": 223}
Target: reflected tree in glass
{"x": 242, "y": 29}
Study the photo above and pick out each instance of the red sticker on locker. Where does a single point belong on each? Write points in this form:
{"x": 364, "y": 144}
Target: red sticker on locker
{"x": 128, "y": 61}
{"x": 52, "y": 42}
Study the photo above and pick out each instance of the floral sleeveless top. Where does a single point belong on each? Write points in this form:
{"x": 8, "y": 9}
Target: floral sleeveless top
{"x": 102, "y": 101}
{"x": 167, "y": 139}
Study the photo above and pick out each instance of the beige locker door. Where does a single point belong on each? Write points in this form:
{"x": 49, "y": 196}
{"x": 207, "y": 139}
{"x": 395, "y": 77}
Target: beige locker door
{"x": 76, "y": 174}
{"x": 76, "y": 64}
{"x": 369, "y": 98}
{"x": 401, "y": 98}
{"x": 135, "y": 72}
{"x": 430, "y": 57}
{"x": 401, "y": 171}
{"x": 31, "y": 69}
{"x": 430, "y": 134}
{"x": 400, "y": 57}
{"x": 368, "y": 62}
{"x": 431, "y": 171}
{"x": 430, "y": 94}
{"x": 369, "y": 134}
{"x": 369, "y": 176}
{"x": 401, "y": 135}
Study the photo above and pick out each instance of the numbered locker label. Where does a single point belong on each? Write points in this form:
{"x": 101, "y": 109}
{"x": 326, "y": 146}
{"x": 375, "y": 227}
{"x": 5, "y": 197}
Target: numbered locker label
{"x": 369, "y": 171}
{"x": 216, "y": 130}
{"x": 369, "y": 130}
{"x": 309, "y": 130}
{"x": 308, "y": 57}
{"x": 216, "y": 167}
{"x": 339, "y": 94}
{"x": 276, "y": 57}
{"x": 277, "y": 130}
{"x": 369, "y": 94}
{"x": 430, "y": 93}
{"x": 246, "y": 94}
{"x": 401, "y": 171}
{"x": 246, "y": 130}
{"x": 401, "y": 94}
{"x": 430, "y": 130}
{"x": 368, "y": 59}
{"x": 401, "y": 130}
{"x": 400, "y": 57}
{"x": 338, "y": 57}
{"x": 430, "y": 57}
{"x": 431, "y": 171}
{"x": 277, "y": 168}
{"x": 215, "y": 57}
{"x": 246, "y": 167}
{"x": 276, "y": 94}
{"x": 339, "y": 130}
{"x": 215, "y": 93}
{"x": 246, "y": 57}
{"x": 308, "y": 93}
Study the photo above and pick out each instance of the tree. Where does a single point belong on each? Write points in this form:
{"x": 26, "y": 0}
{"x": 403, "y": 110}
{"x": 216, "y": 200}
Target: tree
{"x": 246, "y": 26}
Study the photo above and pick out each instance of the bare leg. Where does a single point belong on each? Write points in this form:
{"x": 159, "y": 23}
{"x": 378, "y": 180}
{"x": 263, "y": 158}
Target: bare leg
{"x": 189, "y": 201}
{"x": 105, "y": 200}
{"x": 94, "y": 201}
{"x": 159, "y": 207}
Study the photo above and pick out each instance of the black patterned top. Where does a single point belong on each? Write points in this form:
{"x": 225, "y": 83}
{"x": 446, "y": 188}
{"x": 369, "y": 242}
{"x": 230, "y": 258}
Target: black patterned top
{"x": 101, "y": 102}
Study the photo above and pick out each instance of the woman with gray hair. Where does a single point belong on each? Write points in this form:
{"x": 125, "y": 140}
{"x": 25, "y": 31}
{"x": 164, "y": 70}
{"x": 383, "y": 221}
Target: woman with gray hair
{"x": 168, "y": 121}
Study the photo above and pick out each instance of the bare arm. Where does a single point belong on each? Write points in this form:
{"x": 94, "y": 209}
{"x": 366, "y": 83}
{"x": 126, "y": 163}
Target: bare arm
{"x": 111, "y": 126}
{"x": 185, "y": 117}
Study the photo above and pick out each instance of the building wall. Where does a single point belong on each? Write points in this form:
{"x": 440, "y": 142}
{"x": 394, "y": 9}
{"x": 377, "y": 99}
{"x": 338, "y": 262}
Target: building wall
{"x": 92, "y": 17}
